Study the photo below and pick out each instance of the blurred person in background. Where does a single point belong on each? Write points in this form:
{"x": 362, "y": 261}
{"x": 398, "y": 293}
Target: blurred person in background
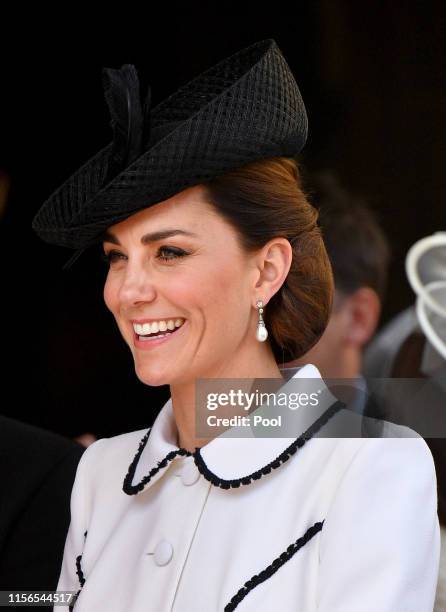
{"x": 37, "y": 471}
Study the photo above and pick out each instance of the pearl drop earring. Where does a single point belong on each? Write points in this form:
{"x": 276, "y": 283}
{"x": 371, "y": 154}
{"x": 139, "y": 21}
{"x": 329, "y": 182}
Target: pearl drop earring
{"x": 262, "y": 332}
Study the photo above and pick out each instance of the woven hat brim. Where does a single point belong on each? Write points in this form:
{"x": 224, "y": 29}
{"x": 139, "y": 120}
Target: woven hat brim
{"x": 252, "y": 109}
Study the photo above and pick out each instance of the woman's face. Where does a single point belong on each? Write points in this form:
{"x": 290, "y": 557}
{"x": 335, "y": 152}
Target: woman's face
{"x": 178, "y": 264}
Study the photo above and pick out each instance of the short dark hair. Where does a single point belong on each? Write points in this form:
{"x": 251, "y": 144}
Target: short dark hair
{"x": 357, "y": 246}
{"x": 263, "y": 200}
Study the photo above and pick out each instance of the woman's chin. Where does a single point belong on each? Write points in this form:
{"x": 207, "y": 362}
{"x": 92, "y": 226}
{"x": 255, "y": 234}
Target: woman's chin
{"x": 150, "y": 376}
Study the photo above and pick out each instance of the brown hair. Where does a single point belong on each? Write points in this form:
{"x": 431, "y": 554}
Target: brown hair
{"x": 263, "y": 200}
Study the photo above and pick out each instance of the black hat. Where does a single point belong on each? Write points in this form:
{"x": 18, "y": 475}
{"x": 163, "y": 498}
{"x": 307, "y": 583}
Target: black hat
{"x": 246, "y": 107}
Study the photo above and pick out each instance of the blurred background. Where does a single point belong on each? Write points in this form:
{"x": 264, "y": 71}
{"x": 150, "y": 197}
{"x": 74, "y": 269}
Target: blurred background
{"x": 372, "y": 75}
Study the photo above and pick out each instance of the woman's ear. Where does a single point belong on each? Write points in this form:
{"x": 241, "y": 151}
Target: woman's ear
{"x": 273, "y": 263}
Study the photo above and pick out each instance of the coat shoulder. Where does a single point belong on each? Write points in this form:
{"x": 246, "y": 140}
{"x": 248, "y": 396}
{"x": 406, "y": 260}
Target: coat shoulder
{"x": 124, "y": 443}
{"x": 109, "y": 458}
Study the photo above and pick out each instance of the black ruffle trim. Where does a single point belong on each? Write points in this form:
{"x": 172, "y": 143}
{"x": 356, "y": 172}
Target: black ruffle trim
{"x": 284, "y": 456}
{"x": 134, "y": 489}
{"x": 273, "y": 567}
{"x": 80, "y": 575}
{"x": 208, "y": 474}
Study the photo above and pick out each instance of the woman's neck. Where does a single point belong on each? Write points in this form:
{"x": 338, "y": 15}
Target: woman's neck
{"x": 183, "y": 395}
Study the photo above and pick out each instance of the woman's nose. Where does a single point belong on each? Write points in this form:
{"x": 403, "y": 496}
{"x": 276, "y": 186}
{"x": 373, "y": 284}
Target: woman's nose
{"x": 137, "y": 286}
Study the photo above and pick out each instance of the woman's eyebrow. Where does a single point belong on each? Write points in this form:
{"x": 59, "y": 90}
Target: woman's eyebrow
{"x": 150, "y": 237}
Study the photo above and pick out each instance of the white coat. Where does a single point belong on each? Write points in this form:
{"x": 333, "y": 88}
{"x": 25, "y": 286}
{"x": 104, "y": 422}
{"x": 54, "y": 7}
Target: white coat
{"x": 335, "y": 525}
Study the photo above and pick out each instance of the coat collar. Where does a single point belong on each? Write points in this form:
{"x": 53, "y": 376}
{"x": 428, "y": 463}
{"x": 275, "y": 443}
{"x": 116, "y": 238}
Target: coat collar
{"x": 226, "y": 461}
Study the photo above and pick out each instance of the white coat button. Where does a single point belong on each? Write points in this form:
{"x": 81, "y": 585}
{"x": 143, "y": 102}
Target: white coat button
{"x": 190, "y": 474}
{"x": 163, "y": 552}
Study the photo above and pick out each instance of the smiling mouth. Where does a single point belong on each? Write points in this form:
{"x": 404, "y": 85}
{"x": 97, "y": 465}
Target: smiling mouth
{"x": 153, "y": 331}
{"x": 156, "y": 335}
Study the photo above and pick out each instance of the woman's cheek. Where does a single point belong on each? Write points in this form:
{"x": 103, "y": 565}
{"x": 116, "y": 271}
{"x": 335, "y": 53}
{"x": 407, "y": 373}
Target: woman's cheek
{"x": 109, "y": 295}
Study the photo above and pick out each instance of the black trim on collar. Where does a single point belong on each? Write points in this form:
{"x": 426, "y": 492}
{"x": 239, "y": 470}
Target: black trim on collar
{"x": 273, "y": 567}
{"x": 134, "y": 489}
{"x": 130, "y": 489}
{"x": 284, "y": 456}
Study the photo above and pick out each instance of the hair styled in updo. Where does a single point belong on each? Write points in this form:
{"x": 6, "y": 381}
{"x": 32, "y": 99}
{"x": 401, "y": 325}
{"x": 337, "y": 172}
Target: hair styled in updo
{"x": 264, "y": 200}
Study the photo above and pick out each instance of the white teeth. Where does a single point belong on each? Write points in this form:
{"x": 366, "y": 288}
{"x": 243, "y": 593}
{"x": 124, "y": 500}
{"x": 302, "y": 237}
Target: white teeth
{"x": 155, "y": 326}
{"x": 149, "y": 338}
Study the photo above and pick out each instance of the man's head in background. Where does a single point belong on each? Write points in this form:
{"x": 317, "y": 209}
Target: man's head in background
{"x": 359, "y": 254}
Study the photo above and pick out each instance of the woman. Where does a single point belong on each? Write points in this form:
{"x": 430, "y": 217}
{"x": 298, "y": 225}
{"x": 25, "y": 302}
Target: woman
{"x": 217, "y": 270}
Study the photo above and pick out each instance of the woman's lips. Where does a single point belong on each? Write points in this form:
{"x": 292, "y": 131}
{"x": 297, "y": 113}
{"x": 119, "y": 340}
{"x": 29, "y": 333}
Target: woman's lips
{"x": 147, "y": 345}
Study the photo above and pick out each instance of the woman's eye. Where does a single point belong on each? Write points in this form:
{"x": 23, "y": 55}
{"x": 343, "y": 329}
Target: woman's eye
{"x": 111, "y": 256}
{"x": 170, "y": 253}
{"x": 164, "y": 253}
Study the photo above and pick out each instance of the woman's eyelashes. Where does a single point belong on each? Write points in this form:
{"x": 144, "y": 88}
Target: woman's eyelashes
{"x": 109, "y": 257}
{"x": 172, "y": 253}
{"x": 164, "y": 254}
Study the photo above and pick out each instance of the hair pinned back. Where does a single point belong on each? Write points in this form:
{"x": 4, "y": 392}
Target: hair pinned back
{"x": 264, "y": 200}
